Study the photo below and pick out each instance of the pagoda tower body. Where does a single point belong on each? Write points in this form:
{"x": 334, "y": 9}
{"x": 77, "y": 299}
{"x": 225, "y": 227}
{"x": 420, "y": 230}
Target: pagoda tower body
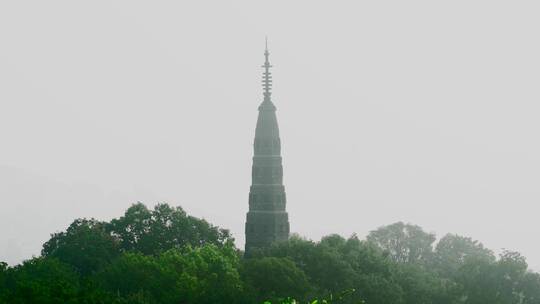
{"x": 267, "y": 220}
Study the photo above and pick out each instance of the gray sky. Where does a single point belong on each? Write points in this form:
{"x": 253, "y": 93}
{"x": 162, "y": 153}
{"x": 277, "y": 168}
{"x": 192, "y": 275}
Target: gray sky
{"x": 417, "y": 111}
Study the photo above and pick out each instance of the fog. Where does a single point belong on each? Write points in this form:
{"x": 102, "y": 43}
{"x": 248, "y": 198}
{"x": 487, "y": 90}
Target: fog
{"x": 417, "y": 111}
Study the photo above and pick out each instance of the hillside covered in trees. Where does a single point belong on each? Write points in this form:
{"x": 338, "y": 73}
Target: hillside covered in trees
{"x": 165, "y": 256}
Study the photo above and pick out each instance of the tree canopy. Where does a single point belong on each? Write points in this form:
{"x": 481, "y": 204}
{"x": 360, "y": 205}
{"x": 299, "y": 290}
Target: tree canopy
{"x": 163, "y": 255}
{"x": 163, "y": 228}
{"x": 404, "y": 243}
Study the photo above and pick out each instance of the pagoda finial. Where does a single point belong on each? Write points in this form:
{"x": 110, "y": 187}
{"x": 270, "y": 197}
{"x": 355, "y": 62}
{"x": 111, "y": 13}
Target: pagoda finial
{"x": 267, "y": 76}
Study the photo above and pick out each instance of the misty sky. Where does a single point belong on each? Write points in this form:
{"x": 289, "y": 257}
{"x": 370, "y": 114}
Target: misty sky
{"x": 417, "y": 111}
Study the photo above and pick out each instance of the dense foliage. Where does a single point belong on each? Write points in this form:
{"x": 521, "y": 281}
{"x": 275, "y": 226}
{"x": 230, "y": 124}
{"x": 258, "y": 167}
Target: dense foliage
{"x": 166, "y": 256}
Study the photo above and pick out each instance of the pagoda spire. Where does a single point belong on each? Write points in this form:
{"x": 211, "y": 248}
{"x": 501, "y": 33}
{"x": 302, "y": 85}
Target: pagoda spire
{"x": 267, "y": 75}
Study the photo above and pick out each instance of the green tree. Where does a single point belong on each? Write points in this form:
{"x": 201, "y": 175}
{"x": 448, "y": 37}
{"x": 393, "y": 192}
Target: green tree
{"x": 421, "y": 286}
{"x": 503, "y": 281}
{"x": 510, "y": 271}
{"x": 373, "y": 276}
{"x": 404, "y": 243}
{"x": 275, "y": 278}
{"x": 134, "y": 275}
{"x": 43, "y": 281}
{"x": 321, "y": 263}
{"x": 530, "y": 286}
{"x": 85, "y": 245}
{"x": 163, "y": 256}
{"x": 206, "y": 274}
{"x": 154, "y": 231}
{"x": 452, "y": 251}
{"x": 336, "y": 264}
{"x": 375, "y": 288}
{"x": 3, "y": 283}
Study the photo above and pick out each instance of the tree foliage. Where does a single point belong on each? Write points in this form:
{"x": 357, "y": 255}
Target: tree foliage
{"x": 3, "y": 284}
{"x": 453, "y": 251}
{"x": 163, "y": 228}
{"x": 404, "y": 243}
{"x": 85, "y": 245}
{"x": 208, "y": 274}
{"x": 275, "y": 278}
{"x": 163, "y": 256}
{"x": 43, "y": 281}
